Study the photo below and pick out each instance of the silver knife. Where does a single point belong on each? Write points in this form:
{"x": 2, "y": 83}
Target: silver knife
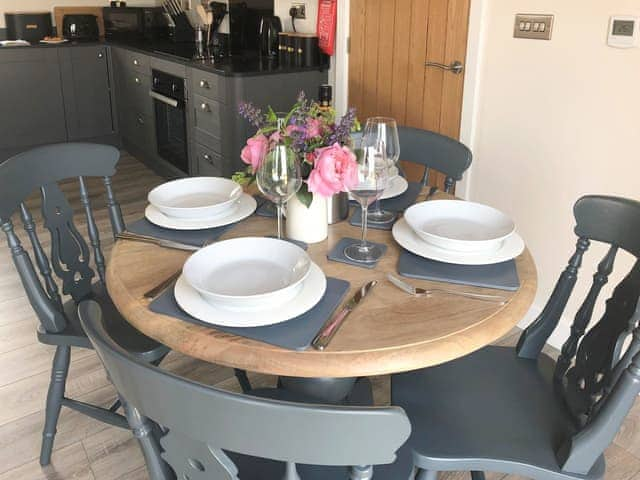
{"x": 330, "y": 327}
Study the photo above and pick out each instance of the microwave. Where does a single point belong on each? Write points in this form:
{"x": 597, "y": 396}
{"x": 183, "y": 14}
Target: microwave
{"x": 134, "y": 23}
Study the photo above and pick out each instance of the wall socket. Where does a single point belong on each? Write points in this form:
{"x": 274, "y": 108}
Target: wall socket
{"x": 300, "y": 10}
{"x": 536, "y": 27}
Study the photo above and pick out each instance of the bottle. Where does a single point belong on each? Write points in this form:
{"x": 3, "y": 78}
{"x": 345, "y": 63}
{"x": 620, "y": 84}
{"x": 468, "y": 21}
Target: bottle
{"x": 325, "y": 96}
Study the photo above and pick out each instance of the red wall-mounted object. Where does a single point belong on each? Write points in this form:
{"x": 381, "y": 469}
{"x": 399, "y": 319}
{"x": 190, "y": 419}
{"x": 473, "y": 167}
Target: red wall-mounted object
{"x": 327, "y": 19}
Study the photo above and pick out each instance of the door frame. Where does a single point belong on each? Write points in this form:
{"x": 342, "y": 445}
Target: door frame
{"x": 472, "y": 81}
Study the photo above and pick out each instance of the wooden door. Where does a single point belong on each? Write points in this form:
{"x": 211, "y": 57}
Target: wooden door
{"x": 391, "y": 40}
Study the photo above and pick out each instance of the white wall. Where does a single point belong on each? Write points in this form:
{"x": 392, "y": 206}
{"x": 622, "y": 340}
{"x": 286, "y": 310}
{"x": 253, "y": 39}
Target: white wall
{"x": 555, "y": 120}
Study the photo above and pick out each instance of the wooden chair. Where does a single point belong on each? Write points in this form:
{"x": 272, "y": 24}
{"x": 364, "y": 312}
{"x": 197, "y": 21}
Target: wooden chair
{"x": 41, "y": 169}
{"x": 517, "y": 411}
{"x": 208, "y": 433}
{"x": 435, "y": 151}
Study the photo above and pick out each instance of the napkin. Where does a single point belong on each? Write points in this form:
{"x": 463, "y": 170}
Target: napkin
{"x": 196, "y": 238}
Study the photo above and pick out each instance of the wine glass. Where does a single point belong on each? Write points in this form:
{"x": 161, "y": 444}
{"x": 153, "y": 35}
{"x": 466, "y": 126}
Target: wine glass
{"x": 279, "y": 178}
{"x": 386, "y": 131}
{"x": 372, "y": 180}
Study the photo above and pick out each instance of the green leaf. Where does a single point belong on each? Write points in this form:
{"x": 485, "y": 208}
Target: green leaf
{"x": 305, "y": 196}
{"x": 271, "y": 115}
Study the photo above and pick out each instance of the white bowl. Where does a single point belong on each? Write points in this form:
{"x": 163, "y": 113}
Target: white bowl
{"x": 195, "y": 197}
{"x": 249, "y": 273}
{"x": 459, "y": 225}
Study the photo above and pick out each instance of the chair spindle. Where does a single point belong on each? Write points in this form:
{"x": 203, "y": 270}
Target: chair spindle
{"x": 584, "y": 314}
{"x": 449, "y": 182}
{"x": 92, "y": 229}
{"x": 41, "y": 257}
{"x": 115, "y": 213}
{"x": 536, "y": 335}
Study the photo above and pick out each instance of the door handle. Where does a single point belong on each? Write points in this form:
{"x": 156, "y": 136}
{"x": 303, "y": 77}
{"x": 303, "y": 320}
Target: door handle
{"x": 169, "y": 101}
{"x": 455, "y": 67}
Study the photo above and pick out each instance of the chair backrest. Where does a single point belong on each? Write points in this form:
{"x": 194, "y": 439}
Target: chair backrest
{"x": 597, "y": 378}
{"x": 202, "y": 421}
{"x": 69, "y": 257}
{"x": 435, "y": 151}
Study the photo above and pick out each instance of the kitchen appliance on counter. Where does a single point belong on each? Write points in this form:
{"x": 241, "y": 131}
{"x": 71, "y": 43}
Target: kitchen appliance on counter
{"x": 134, "y": 23}
{"x": 28, "y": 26}
{"x": 244, "y": 24}
{"x": 270, "y": 28}
{"x": 80, "y": 27}
{"x": 168, "y": 93}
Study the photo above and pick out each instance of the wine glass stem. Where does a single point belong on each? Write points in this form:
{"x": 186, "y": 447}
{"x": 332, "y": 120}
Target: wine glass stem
{"x": 365, "y": 211}
{"x": 279, "y": 215}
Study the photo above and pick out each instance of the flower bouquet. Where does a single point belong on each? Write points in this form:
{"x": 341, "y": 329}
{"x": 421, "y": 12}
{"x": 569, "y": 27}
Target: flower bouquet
{"x": 321, "y": 142}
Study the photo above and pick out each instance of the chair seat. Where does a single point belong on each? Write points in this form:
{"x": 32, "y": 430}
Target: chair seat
{"x": 122, "y": 331}
{"x": 488, "y": 411}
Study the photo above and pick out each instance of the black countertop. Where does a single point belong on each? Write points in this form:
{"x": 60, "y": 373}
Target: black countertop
{"x": 231, "y": 66}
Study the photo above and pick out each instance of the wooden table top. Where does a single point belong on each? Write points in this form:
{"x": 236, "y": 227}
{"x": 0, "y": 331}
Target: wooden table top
{"x": 389, "y": 332}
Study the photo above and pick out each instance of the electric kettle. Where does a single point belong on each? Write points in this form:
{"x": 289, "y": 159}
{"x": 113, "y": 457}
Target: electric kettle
{"x": 270, "y": 27}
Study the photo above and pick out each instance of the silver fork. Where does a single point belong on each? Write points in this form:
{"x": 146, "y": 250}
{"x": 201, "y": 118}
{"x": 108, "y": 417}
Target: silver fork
{"x": 419, "y": 292}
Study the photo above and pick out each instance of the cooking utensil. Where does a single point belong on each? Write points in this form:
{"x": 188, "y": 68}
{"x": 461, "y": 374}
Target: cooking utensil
{"x": 156, "y": 241}
{"x": 419, "y": 292}
{"x": 330, "y": 328}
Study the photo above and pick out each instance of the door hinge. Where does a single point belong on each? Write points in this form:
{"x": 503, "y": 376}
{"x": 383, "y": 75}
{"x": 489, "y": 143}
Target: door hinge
{"x": 348, "y": 45}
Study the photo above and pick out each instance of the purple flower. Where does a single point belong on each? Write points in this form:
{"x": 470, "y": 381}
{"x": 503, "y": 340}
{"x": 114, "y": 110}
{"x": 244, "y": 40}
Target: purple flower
{"x": 253, "y": 115}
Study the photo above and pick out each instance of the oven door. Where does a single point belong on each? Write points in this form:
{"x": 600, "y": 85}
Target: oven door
{"x": 171, "y": 130}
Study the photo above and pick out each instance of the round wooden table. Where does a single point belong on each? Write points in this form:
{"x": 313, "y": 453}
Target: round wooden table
{"x": 389, "y": 332}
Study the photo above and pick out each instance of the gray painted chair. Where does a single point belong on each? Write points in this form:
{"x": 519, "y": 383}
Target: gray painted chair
{"x": 518, "y": 411}
{"x": 208, "y": 433}
{"x": 70, "y": 255}
{"x": 435, "y": 151}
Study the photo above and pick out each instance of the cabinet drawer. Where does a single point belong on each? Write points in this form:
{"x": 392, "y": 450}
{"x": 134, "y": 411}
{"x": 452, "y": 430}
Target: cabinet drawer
{"x": 129, "y": 60}
{"x": 138, "y": 129}
{"x": 207, "y": 85}
{"x": 134, "y": 92}
{"x": 208, "y": 117}
{"x": 209, "y": 162}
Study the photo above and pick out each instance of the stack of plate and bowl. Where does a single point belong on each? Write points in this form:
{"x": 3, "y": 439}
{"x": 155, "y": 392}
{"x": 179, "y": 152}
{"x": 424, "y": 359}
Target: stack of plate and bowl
{"x": 458, "y": 232}
{"x": 249, "y": 282}
{"x": 198, "y": 203}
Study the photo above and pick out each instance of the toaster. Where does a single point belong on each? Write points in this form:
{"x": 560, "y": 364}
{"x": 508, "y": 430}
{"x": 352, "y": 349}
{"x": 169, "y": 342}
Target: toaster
{"x": 31, "y": 27}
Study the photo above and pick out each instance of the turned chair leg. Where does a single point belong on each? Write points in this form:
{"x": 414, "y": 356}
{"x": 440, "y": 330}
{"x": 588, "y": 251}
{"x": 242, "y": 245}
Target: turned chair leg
{"x": 55, "y": 396}
{"x": 477, "y": 476}
{"x": 427, "y": 475}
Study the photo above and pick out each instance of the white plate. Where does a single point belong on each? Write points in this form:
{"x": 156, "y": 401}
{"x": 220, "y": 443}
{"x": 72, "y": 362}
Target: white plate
{"x": 407, "y": 238}
{"x": 195, "y": 197}
{"x": 310, "y": 294}
{"x": 460, "y": 225}
{"x": 246, "y": 205}
{"x": 54, "y": 42}
{"x": 248, "y": 273}
{"x": 398, "y": 186}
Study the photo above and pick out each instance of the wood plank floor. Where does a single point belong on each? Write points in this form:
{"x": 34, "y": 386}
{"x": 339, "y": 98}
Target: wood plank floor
{"x": 86, "y": 449}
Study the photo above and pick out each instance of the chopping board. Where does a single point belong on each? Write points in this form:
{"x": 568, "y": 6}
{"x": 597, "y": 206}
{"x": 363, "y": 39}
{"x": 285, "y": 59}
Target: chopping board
{"x": 60, "y": 12}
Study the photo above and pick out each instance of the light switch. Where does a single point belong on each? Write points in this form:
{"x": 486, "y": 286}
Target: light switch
{"x": 537, "y": 27}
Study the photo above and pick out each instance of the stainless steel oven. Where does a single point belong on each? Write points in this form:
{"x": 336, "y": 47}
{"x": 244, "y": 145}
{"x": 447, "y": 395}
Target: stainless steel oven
{"x": 168, "y": 93}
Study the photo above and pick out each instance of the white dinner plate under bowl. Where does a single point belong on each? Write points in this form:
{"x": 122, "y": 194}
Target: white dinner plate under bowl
{"x": 397, "y": 187}
{"x": 405, "y": 236}
{"x": 249, "y": 273}
{"x": 312, "y": 291}
{"x": 460, "y": 225}
{"x": 244, "y": 207}
{"x": 195, "y": 197}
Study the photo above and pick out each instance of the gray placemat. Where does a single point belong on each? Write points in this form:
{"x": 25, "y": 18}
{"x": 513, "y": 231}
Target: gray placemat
{"x": 337, "y": 253}
{"x": 266, "y": 208}
{"x": 401, "y": 202}
{"x": 356, "y": 221}
{"x": 503, "y": 276}
{"x": 294, "y": 334}
{"x": 191, "y": 237}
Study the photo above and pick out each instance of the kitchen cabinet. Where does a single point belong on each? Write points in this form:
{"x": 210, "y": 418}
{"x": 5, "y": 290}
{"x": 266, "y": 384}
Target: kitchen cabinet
{"x": 31, "y": 99}
{"x": 86, "y": 86}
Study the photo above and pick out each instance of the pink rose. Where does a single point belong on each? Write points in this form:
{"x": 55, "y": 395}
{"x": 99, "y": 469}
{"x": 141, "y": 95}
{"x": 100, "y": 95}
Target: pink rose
{"x": 255, "y": 151}
{"x": 335, "y": 170}
{"x": 314, "y": 128}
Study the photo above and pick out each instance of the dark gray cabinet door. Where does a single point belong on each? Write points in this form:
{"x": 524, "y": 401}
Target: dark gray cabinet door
{"x": 30, "y": 98}
{"x": 87, "y": 91}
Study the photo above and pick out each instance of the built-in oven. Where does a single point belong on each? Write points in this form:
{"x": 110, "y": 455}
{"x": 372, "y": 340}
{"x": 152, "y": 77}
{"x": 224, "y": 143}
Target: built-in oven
{"x": 168, "y": 93}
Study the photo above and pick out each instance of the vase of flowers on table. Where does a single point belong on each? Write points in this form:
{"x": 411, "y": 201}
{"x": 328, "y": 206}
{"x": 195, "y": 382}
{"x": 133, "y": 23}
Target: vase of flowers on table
{"x": 323, "y": 145}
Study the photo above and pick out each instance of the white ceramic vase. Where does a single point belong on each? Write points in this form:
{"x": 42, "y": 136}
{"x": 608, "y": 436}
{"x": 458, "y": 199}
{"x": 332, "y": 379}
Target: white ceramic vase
{"x": 307, "y": 224}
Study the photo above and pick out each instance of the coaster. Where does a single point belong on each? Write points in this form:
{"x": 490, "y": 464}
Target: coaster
{"x": 356, "y": 221}
{"x": 503, "y": 276}
{"x": 266, "y": 208}
{"x": 337, "y": 253}
{"x": 294, "y": 334}
{"x": 197, "y": 238}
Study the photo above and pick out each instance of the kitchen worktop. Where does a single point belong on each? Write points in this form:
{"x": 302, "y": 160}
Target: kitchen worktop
{"x": 231, "y": 66}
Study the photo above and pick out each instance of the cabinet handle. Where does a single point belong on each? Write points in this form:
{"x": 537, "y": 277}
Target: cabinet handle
{"x": 136, "y": 62}
{"x": 140, "y": 120}
{"x": 204, "y": 84}
{"x": 136, "y": 79}
{"x": 205, "y": 107}
{"x": 100, "y": 55}
{"x": 208, "y": 158}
